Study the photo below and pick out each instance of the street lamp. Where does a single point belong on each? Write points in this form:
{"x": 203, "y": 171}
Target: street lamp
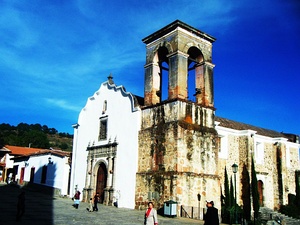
{"x": 199, "y": 199}
{"x": 234, "y": 170}
{"x": 50, "y": 160}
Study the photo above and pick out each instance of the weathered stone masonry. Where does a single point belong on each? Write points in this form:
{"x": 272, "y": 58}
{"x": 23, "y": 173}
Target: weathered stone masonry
{"x": 177, "y": 158}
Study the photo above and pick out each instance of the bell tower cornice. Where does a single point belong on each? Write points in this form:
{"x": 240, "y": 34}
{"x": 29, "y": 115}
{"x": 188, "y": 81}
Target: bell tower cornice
{"x": 173, "y": 26}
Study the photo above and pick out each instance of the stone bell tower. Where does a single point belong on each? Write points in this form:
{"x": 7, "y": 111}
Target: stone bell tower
{"x": 178, "y": 156}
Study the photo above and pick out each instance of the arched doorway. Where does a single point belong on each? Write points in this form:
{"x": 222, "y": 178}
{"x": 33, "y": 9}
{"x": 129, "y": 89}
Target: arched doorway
{"x": 101, "y": 181}
{"x": 260, "y": 185}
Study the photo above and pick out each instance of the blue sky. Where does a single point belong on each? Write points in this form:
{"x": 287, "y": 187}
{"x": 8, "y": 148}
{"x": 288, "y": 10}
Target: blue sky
{"x": 56, "y": 53}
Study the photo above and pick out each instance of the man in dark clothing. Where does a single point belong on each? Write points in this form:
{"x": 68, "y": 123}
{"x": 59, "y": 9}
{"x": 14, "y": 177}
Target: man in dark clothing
{"x": 96, "y": 200}
{"x": 211, "y": 217}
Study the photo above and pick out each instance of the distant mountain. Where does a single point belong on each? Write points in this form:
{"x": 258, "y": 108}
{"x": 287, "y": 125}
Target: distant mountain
{"x": 35, "y": 136}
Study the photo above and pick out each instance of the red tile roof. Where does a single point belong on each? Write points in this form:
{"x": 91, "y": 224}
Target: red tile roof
{"x": 243, "y": 126}
{"x": 25, "y": 151}
{"x": 16, "y": 150}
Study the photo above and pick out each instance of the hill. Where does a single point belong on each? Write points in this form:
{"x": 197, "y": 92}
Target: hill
{"x": 35, "y": 136}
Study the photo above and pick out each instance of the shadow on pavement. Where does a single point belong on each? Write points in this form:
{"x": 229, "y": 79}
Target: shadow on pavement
{"x": 38, "y": 204}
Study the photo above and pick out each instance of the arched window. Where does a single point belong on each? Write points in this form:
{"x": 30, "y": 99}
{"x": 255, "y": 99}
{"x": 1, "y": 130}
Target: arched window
{"x": 161, "y": 81}
{"x": 104, "y": 107}
{"x": 195, "y": 81}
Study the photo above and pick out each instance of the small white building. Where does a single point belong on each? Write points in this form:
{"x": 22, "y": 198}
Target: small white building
{"x": 105, "y": 146}
{"x": 40, "y": 166}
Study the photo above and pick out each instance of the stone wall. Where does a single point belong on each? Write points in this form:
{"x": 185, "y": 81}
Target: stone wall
{"x": 177, "y": 156}
{"x": 277, "y": 177}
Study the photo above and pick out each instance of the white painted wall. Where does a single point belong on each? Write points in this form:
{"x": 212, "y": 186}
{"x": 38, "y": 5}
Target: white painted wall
{"x": 9, "y": 161}
{"x": 123, "y": 126}
{"x": 57, "y": 173}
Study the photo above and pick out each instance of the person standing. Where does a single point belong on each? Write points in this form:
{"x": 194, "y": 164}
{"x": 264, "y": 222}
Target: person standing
{"x": 20, "y": 205}
{"x": 96, "y": 200}
{"x": 211, "y": 217}
{"x": 150, "y": 215}
{"x": 77, "y": 199}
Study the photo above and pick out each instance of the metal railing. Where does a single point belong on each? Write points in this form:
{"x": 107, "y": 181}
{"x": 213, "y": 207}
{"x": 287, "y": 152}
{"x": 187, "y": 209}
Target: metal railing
{"x": 190, "y": 212}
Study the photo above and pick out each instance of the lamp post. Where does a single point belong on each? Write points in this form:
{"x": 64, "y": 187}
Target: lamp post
{"x": 234, "y": 170}
{"x": 199, "y": 199}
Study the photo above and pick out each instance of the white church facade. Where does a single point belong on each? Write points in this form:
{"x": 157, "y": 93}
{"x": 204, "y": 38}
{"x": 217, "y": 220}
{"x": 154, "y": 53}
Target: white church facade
{"x": 105, "y": 146}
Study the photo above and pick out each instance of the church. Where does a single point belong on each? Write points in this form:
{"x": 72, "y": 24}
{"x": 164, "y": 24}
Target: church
{"x": 169, "y": 144}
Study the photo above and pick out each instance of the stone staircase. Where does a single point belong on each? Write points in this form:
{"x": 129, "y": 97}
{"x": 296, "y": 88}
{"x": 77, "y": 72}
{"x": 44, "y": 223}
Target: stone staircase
{"x": 271, "y": 217}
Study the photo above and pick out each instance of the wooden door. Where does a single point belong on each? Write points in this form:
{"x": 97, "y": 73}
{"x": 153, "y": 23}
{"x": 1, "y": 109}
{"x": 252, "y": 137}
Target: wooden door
{"x": 22, "y": 175}
{"x": 101, "y": 181}
{"x": 32, "y": 171}
{"x": 260, "y": 185}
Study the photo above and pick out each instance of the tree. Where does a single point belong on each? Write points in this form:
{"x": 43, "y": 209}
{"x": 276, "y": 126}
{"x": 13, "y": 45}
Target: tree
{"x": 246, "y": 191}
{"x": 64, "y": 146}
{"x": 1, "y": 142}
{"x": 22, "y": 127}
{"x": 225, "y": 211}
{"x": 279, "y": 173}
{"x": 297, "y": 179}
{"x": 37, "y": 139}
{"x": 37, "y": 127}
{"x": 255, "y": 194}
{"x": 226, "y": 189}
{"x": 45, "y": 129}
{"x": 52, "y": 131}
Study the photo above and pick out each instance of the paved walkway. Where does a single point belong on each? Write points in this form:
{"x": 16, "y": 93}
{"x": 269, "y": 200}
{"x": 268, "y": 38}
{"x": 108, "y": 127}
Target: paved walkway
{"x": 44, "y": 209}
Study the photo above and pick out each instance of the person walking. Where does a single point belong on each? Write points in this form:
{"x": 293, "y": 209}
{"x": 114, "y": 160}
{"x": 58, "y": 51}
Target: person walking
{"x": 150, "y": 215}
{"x": 96, "y": 200}
{"x": 91, "y": 205}
{"x": 77, "y": 199}
{"x": 211, "y": 217}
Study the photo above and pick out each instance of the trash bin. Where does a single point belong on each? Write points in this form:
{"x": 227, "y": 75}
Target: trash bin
{"x": 170, "y": 208}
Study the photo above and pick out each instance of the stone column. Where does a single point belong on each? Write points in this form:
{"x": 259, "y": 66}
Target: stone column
{"x": 112, "y": 188}
{"x": 152, "y": 83}
{"x": 204, "y": 81}
{"x": 178, "y": 72}
{"x": 109, "y": 179}
{"x": 86, "y": 190}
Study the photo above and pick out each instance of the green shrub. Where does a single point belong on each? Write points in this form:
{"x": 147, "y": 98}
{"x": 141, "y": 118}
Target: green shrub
{"x": 290, "y": 210}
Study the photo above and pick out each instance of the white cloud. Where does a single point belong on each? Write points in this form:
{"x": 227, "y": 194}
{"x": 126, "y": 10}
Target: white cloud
{"x": 63, "y": 104}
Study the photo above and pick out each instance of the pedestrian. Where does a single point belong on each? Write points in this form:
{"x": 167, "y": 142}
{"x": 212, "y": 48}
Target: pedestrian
{"x": 90, "y": 209}
{"x": 77, "y": 199}
{"x": 211, "y": 217}
{"x": 20, "y": 205}
{"x": 150, "y": 215}
{"x": 96, "y": 200}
